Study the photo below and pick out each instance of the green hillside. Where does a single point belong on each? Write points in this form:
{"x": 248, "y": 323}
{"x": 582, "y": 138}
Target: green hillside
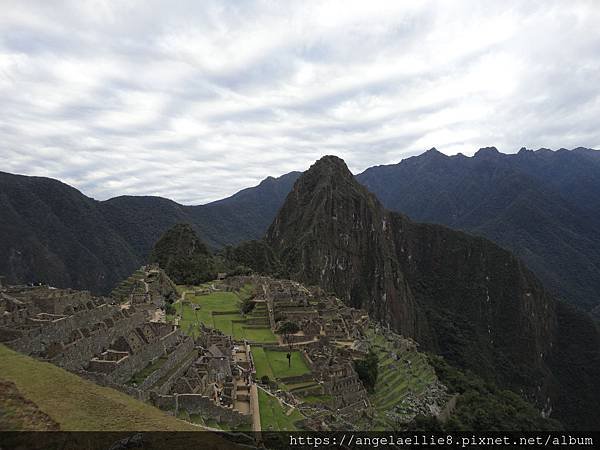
{"x": 77, "y": 404}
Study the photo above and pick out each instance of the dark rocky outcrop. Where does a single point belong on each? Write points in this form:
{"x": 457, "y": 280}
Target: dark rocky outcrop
{"x": 458, "y": 295}
{"x": 331, "y": 231}
{"x": 183, "y": 256}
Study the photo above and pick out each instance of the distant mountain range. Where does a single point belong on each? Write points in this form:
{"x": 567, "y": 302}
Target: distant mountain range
{"x": 542, "y": 205}
{"x": 52, "y": 233}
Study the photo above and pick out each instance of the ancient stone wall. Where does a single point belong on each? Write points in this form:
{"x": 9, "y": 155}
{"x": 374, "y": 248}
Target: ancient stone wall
{"x": 137, "y": 361}
{"x": 103, "y": 379}
{"x": 201, "y": 405}
{"x": 165, "y": 388}
{"x": 175, "y": 357}
{"x": 74, "y": 347}
{"x": 204, "y": 406}
{"x": 298, "y": 378}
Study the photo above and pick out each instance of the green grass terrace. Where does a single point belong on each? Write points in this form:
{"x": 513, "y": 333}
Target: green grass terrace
{"x": 221, "y": 310}
{"x": 412, "y": 373}
{"x": 274, "y": 364}
{"x": 274, "y": 416}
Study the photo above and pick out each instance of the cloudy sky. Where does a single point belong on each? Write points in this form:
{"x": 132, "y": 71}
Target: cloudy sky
{"x": 194, "y": 100}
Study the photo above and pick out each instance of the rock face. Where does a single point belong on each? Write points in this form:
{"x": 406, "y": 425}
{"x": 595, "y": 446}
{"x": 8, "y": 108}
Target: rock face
{"x": 461, "y": 296}
{"x": 331, "y": 231}
{"x": 183, "y": 256}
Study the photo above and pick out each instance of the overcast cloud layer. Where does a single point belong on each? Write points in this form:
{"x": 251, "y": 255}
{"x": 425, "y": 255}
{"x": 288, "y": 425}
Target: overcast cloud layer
{"x": 196, "y": 100}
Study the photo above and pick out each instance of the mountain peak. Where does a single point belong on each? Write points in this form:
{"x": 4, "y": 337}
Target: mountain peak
{"x": 433, "y": 153}
{"x": 326, "y": 168}
{"x": 330, "y": 162}
{"x": 487, "y": 152}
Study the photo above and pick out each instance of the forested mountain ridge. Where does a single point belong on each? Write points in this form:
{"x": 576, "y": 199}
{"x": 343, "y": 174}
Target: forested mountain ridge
{"x": 52, "y": 233}
{"x": 542, "y": 205}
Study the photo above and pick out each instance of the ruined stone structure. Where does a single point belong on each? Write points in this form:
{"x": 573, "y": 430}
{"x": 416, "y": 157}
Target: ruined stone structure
{"x": 117, "y": 345}
{"x": 347, "y": 392}
{"x": 63, "y": 326}
{"x": 317, "y": 314}
{"x": 331, "y": 336}
{"x": 149, "y": 285}
{"x": 214, "y": 384}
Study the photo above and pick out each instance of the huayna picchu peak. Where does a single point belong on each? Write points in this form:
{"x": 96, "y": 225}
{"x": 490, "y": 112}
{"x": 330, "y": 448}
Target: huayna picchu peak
{"x": 458, "y": 295}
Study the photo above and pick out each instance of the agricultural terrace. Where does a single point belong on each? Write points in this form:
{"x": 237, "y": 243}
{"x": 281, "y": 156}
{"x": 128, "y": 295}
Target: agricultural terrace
{"x": 410, "y": 374}
{"x": 221, "y": 310}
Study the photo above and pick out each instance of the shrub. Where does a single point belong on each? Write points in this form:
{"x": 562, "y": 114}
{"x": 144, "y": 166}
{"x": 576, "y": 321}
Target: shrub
{"x": 367, "y": 370}
{"x": 247, "y": 306}
{"x": 170, "y": 309}
{"x": 288, "y": 328}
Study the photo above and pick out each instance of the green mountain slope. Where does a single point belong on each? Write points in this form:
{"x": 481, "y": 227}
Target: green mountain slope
{"x": 52, "y": 233}
{"x": 183, "y": 256}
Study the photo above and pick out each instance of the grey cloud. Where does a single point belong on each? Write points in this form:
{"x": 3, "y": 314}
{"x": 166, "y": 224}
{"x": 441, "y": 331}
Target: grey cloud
{"x": 196, "y": 100}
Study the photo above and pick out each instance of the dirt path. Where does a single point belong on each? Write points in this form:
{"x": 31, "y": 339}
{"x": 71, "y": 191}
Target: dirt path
{"x": 255, "y": 408}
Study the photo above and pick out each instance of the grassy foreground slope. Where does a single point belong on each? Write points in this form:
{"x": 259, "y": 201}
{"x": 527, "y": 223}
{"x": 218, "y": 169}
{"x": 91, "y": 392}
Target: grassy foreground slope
{"x": 77, "y": 404}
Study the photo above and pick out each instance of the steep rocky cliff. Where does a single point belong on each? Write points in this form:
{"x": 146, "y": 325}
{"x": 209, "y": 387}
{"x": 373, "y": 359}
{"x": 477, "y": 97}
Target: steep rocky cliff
{"x": 331, "y": 231}
{"x": 458, "y": 295}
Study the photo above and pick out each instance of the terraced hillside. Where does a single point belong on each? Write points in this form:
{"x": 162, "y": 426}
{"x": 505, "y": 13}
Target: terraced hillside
{"x": 402, "y": 379}
{"x": 276, "y": 416}
{"x": 124, "y": 288}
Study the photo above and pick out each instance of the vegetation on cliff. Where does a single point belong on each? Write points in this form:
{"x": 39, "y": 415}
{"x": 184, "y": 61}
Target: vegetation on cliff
{"x": 367, "y": 370}
{"x": 183, "y": 256}
{"x": 482, "y": 405}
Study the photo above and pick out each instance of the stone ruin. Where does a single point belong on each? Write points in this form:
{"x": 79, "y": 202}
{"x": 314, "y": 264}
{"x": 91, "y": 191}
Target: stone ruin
{"x": 119, "y": 342}
{"x": 149, "y": 285}
{"x": 216, "y": 385}
{"x": 318, "y": 315}
{"x": 118, "y": 345}
{"x": 331, "y": 336}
